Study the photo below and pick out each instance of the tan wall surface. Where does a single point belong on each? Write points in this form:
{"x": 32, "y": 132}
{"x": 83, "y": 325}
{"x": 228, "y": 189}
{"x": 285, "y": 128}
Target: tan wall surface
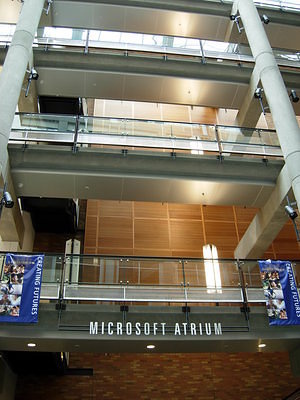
{"x": 176, "y": 230}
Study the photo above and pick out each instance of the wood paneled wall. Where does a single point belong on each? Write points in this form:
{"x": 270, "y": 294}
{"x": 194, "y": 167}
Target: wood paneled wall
{"x": 177, "y": 230}
{"x": 156, "y": 111}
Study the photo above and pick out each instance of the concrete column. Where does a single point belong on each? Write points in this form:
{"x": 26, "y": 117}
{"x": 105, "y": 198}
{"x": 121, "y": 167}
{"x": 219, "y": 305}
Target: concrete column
{"x": 14, "y": 68}
{"x": 276, "y": 93}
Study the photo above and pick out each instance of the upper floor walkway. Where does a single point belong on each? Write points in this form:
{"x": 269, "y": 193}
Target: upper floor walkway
{"x": 127, "y": 159}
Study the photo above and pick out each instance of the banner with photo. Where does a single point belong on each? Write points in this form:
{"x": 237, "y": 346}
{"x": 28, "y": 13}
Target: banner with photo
{"x": 20, "y": 287}
{"x": 280, "y": 289}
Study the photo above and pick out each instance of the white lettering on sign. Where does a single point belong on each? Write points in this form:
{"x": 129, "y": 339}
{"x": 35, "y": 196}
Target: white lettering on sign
{"x": 155, "y": 328}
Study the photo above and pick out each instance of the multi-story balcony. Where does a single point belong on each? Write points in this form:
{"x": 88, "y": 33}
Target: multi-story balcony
{"x": 90, "y": 150}
{"x": 79, "y": 289}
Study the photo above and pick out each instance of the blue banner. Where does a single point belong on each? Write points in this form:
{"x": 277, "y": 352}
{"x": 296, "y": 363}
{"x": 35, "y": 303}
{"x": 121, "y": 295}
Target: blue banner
{"x": 280, "y": 289}
{"x": 20, "y": 288}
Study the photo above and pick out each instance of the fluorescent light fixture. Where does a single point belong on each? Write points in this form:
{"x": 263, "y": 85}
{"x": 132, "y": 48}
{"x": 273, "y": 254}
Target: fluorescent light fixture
{"x": 31, "y": 345}
{"x": 262, "y": 345}
{"x": 150, "y": 346}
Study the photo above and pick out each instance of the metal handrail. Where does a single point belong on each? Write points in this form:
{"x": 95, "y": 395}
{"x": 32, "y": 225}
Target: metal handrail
{"x": 130, "y": 132}
{"x": 237, "y": 289}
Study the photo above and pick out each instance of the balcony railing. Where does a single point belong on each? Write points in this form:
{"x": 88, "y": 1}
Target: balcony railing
{"x": 84, "y": 40}
{"x": 194, "y": 138}
{"x": 172, "y": 281}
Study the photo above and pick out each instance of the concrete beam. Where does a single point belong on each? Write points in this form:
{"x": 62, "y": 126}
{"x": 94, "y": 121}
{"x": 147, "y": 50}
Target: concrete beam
{"x": 250, "y": 110}
{"x": 267, "y": 223}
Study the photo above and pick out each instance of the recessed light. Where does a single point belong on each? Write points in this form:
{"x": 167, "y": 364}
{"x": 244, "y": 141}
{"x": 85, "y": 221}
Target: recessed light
{"x": 31, "y": 345}
{"x": 150, "y": 346}
{"x": 262, "y": 345}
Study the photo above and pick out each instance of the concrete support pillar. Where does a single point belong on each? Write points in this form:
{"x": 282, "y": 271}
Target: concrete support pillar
{"x": 275, "y": 91}
{"x": 12, "y": 74}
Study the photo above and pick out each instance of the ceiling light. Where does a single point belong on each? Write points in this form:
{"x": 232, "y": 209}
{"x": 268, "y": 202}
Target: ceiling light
{"x": 31, "y": 345}
{"x": 150, "y": 346}
{"x": 262, "y": 345}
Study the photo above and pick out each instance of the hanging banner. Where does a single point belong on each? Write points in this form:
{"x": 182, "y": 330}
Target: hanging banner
{"x": 20, "y": 288}
{"x": 280, "y": 289}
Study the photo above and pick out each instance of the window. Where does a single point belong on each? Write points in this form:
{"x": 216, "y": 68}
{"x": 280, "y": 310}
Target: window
{"x": 212, "y": 269}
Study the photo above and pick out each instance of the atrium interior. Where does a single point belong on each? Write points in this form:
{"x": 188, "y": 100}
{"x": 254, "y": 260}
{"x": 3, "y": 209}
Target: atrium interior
{"x": 152, "y": 153}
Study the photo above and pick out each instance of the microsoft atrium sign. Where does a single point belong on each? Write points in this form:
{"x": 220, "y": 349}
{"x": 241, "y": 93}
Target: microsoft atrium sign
{"x": 155, "y": 328}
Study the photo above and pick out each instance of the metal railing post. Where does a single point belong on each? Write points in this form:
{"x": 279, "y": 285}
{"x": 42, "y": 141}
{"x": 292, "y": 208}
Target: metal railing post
{"x": 202, "y": 52}
{"x": 60, "y": 305}
{"x": 76, "y": 134}
{"x": 86, "y": 47}
{"x": 186, "y": 308}
{"x": 219, "y": 143}
{"x": 245, "y": 308}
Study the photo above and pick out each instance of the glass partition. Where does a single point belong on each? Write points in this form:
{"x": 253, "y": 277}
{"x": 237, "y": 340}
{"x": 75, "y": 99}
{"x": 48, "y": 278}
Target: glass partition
{"x": 139, "y": 279}
{"x": 95, "y": 40}
{"x": 147, "y": 134}
{"x": 249, "y": 141}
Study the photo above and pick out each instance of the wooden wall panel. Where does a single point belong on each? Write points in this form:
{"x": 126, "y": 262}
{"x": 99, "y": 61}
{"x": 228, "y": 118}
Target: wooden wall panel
{"x": 285, "y": 244}
{"x": 166, "y": 230}
{"x": 91, "y": 231}
{"x": 245, "y": 214}
{"x": 115, "y": 232}
{"x": 150, "y": 210}
{"x": 185, "y": 211}
{"x": 186, "y": 235}
{"x": 151, "y": 234}
{"x": 203, "y": 115}
{"x": 155, "y": 111}
{"x": 115, "y": 209}
{"x": 92, "y": 207}
{"x": 218, "y": 213}
{"x": 222, "y": 235}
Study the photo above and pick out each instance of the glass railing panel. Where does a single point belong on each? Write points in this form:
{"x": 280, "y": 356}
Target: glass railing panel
{"x": 250, "y": 141}
{"x": 46, "y": 122}
{"x": 125, "y": 271}
{"x": 120, "y": 279}
{"x": 192, "y": 137}
{"x": 296, "y": 268}
{"x": 196, "y": 272}
{"x": 150, "y": 128}
{"x": 252, "y": 278}
{"x": 150, "y": 272}
{"x": 212, "y": 281}
{"x": 51, "y": 278}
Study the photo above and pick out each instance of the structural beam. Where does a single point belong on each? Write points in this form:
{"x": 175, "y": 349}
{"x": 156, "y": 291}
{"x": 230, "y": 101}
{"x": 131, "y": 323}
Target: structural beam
{"x": 250, "y": 109}
{"x": 267, "y": 223}
{"x": 276, "y": 93}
